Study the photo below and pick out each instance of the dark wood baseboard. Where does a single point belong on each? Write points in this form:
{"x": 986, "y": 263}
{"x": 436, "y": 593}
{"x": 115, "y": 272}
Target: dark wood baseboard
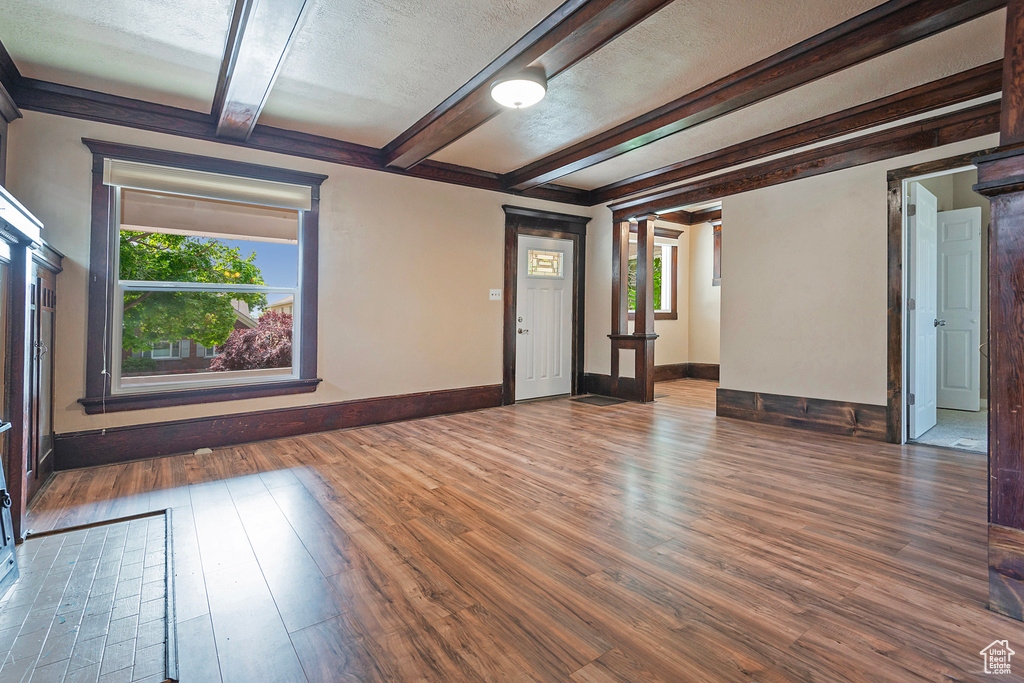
{"x": 602, "y": 384}
{"x": 1005, "y": 571}
{"x": 136, "y": 442}
{"x": 703, "y": 370}
{"x": 664, "y": 373}
{"x": 815, "y": 414}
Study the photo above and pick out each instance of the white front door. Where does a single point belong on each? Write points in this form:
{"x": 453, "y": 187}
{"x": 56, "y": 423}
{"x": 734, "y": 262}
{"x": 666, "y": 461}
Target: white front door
{"x": 544, "y": 317}
{"x": 959, "y": 314}
{"x": 923, "y": 309}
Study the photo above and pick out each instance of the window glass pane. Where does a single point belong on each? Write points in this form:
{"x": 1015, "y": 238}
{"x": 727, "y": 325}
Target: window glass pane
{"x": 657, "y": 276}
{"x": 182, "y": 239}
{"x": 544, "y": 263}
{"x": 184, "y": 335}
{"x": 156, "y": 257}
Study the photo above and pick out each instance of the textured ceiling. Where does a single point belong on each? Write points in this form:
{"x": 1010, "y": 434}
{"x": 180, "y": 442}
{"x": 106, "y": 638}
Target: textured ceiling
{"x": 961, "y": 48}
{"x": 686, "y": 45}
{"x": 156, "y": 50}
{"x": 365, "y": 70}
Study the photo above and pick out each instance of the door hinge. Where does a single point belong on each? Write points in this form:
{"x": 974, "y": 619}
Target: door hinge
{"x": 911, "y": 399}
{"x": 911, "y": 305}
{"x": 912, "y": 210}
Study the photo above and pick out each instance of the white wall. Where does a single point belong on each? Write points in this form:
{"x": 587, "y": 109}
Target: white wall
{"x": 405, "y": 269}
{"x": 705, "y": 298}
{"x": 804, "y": 283}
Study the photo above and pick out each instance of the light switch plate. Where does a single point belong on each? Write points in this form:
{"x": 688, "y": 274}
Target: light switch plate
{"x": 495, "y": 295}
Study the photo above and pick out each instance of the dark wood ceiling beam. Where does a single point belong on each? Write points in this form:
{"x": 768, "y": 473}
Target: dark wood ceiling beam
{"x": 258, "y": 40}
{"x": 907, "y": 139}
{"x": 677, "y": 217}
{"x": 706, "y": 216}
{"x": 63, "y": 100}
{"x": 576, "y": 29}
{"x": 682, "y": 217}
{"x": 889, "y": 26}
{"x": 955, "y": 89}
{"x": 10, "y": 78}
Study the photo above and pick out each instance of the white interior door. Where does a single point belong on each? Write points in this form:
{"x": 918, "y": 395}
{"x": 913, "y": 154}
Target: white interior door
{"x": 544, "y": 317}
{"x": 923, "y": 309}
{"x": 959, "y": 309}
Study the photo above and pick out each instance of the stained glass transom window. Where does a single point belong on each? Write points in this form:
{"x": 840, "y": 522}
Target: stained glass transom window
{"x": 545, "y": 263}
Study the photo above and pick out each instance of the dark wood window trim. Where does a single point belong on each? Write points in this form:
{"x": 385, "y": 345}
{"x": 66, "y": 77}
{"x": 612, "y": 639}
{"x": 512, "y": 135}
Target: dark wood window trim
{"x": 716, "y": 269}
{"x": 98, "y": 398}
{"x": 673, "y": 312}
{"x": 522, "y": 221}
{"x": 895, "y": 425}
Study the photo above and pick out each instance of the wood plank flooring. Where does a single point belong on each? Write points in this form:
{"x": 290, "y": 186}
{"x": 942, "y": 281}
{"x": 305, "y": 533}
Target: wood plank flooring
{"x": 558, "y": 541}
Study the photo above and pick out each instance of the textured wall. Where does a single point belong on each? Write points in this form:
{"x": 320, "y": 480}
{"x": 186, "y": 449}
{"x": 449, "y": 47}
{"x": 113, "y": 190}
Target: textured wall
{"x": 405, "y": 269}
{"x": 804, "y": 283}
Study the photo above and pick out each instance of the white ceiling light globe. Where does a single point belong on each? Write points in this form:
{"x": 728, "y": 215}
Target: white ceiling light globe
{"x": 520, "y": 91}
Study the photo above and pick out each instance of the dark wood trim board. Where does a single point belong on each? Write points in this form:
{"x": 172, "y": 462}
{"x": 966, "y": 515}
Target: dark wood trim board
{"x": 945, "y": 129}
{"x": 664, "y": 373}
{"x": 960, "y": 87}
{"x": 602, "y": 384}
{"x": 89, "y": 105}
{"x": 816, "y": 414}
{"x": 889, "y": 26}
{"x": 703, "y": 370}
{"x": 574, "y": 30}
{"x": 136, "y": 442}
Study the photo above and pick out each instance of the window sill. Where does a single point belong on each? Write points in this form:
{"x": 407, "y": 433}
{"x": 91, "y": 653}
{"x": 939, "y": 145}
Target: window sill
{"x": 182, "y": 397}
{"x": 660, "y": 315}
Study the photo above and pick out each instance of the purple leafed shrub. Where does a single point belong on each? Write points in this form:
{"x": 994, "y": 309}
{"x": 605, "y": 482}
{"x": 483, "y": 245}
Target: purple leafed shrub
{"x": 268, "y": 345}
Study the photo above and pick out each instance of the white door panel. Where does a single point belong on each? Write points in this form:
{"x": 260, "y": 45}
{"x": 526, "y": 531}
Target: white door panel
{"x": 923, "y": 259}
{"x": 959, "y": 309}
{"x": 544, "y": 318}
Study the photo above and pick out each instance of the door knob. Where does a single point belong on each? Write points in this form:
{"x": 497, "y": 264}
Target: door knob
{"x": 940, "y": 323}
{"x": 522, "y": 331}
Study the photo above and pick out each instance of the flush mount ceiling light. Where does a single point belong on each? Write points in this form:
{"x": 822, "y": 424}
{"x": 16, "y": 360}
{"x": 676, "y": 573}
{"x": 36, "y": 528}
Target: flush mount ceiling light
{"x": 524, "y": 89}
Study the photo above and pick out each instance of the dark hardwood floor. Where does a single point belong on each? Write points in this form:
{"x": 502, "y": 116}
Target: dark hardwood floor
{"x": 559, "y": 541}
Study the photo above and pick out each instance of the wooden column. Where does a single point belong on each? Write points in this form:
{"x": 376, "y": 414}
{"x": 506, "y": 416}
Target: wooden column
{"x": 643, "y": 329}
{"x": 1001, "y": 178}
{"x": 640, "y": 387}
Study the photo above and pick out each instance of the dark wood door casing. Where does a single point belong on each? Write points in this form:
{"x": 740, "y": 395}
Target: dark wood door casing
{"x": 523, "y": 221}
{"x": 895, "y": 424}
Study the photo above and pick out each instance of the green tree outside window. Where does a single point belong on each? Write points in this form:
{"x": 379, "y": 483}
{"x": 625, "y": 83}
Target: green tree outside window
{"x": 206, "y": 317}
{"x": 657, "y": 283}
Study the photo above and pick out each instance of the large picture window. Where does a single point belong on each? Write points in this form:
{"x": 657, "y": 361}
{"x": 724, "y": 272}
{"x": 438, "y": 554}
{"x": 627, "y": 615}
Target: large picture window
{"x": 196, "y": 256}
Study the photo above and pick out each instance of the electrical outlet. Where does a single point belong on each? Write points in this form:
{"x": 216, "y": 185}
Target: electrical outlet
{"x": 495, "y": 295}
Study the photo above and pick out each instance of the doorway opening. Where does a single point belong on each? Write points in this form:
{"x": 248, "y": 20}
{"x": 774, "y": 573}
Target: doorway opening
{"x": 545, "y": 258}
{"x": 946, "y": 304}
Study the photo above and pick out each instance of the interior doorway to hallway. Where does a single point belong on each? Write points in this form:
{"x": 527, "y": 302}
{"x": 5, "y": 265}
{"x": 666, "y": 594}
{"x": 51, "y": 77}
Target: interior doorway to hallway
{"x": 946, "y": 361}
